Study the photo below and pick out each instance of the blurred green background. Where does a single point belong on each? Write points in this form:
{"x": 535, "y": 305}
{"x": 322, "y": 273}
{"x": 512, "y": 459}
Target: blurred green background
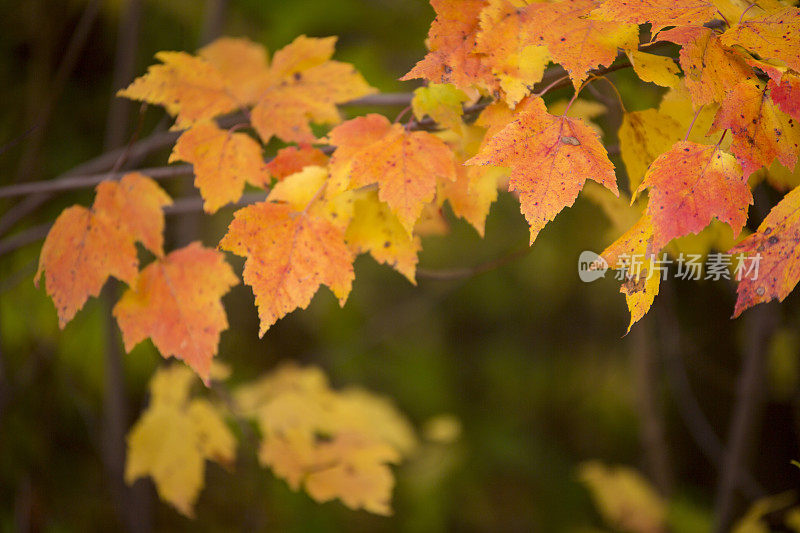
{"x": 532, "y": 362}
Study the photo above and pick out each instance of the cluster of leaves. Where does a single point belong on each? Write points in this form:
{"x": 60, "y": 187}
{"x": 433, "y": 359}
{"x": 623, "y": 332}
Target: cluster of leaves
{"x": 730, "y": 110}
{"x": 336, "y": 444}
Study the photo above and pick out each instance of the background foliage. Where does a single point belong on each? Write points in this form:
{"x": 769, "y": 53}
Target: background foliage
{"x": 528, "y": 359}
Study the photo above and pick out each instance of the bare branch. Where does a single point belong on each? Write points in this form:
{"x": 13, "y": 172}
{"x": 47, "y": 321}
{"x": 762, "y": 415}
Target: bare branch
{"x": 469, "y": 272}
{"x": 90, "y": 180}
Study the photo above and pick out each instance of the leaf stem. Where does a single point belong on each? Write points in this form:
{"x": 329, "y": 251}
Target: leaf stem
{"x": 745, "y": 11}
{"x": 550, "y": 86}
{"x": 696, "y": 114}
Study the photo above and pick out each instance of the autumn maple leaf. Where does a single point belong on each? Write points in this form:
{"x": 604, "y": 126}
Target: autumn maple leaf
{"x": 293, "y": 159}
{"x": 761, "y": 131}
{"x": 301, "y": 86}
{"x": 659, "y": 13}
{"x": 573, "y": 40}
{"x": 378, "y": 231}
{"x": 711, "y": 69}
{"x": 86, "y": 246}
{"x": 176, "y": 302}
{"x": 451, "y": 41}
{"x": 174, "y": 437}
{"x": 222, "y": 160}
{"x": 404, "y": 164}
{"x": 550, "y": 157}
{"x": 786, "y": 94}
{"x": 774, "y": 35}
{"x": 189, "y": 87}
{"x": 289, "y": 255}
{"x": 775, "y": 245}
{"x": 632, "y": 254}
{"x": 304, "y": 86}
{"x": 690, "y": 184}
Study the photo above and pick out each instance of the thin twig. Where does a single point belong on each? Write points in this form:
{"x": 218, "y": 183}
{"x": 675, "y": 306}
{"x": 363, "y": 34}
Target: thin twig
{"x": 90, "y": 180}
{"x": 742, "y": 435}
{"x": 469, "y": 272}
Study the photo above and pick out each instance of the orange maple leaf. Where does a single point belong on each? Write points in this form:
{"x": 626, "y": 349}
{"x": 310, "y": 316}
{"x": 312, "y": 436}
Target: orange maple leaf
{"x": 516, "y": 61}
{"x": 761, "y": 131}
{"x": 242, "y": 64}
{"x": 405, "y": 165}
{"x": 294, "y": 159}
{"x": 778, "y": 256}
{"x": 711, "y": 69}
{"x": 80, "y": 252}
{"x": 659, "y": 13}
{"x": 289, "y": 255}
{"x": 304, "y": 87}
{"x": 772, "y": 36}
{"x": 551, "y": 157}
{"x": 223, "y": 161}
{"x": 578, "y": 43}
{"x": 86, "y": 246}
{"x": 786, "y": 94}
{"x": 690, "y": 184}
{"x": 176, "y": 302}
{"x": 451, "y": 41}
{"x": 301, "y": 85}
{"x": 189, "y": 87}
{"x": 135, "y": 204}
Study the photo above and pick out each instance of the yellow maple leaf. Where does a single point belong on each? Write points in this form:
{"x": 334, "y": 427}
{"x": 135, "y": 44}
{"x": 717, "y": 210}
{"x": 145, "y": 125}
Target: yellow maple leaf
{"x": 174, "y": 437}
{"x": 625, "y": 499}
{"x": 660, "y": 70}
{"x": 375, "y": 229}
{"x": 242, "y": 64}
{"x": 190, "y": 88}
{"x": 643, "y": 136}
{"x": 773, "y": 35}
{"x": 333, "y": 444}
{"x": 632, "y": 253}
{"x": 443, "y": 102}
{"x": 659, "y": 13}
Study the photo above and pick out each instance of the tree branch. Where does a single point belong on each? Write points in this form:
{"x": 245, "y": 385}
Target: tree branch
{"x": 469, "y": 272}
{"x": 674, "y": 345}
{"x": 651, "y": 433}
{"x": 90, "y": 180}
{"x": 760, "y": 325}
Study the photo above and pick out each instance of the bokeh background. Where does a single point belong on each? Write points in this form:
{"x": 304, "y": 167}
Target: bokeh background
{"x": 533, "y": 364}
